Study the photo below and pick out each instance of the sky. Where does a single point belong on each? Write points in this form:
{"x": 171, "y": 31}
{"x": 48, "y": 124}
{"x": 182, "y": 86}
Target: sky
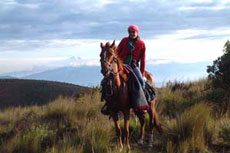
{"x": 36, "y": 32}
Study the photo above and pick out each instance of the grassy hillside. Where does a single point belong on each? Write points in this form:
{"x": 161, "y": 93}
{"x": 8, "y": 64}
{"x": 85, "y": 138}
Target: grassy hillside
{"x": 192, "y": 121}
{"x": 17, "y": 92}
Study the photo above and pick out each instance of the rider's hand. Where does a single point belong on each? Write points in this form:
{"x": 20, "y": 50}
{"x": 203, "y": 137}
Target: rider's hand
{"x": 144, "y": 78}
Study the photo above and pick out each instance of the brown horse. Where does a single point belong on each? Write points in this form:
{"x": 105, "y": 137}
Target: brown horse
{"x": 118, "y": 99}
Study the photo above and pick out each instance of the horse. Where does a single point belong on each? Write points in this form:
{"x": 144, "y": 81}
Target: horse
{"x": 118, "y": 99}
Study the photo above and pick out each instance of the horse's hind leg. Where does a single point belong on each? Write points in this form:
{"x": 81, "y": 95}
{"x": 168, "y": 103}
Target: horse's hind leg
{"x": 156, "y": 120}
{"x": 142, "y": 129}
{"x": 118, "y": 128}
{"x": 153, "y": 120}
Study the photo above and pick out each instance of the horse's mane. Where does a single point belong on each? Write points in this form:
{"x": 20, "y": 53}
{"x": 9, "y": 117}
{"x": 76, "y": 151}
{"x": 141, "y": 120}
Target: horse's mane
{"x": 119, "y": 60}
{"x": 120, "y": 64}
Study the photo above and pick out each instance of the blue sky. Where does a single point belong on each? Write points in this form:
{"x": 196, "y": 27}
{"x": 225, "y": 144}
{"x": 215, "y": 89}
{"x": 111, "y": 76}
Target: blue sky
{"x": 34, "y": 32}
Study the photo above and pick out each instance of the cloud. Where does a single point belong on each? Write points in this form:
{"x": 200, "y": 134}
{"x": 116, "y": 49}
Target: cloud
{"x": 187, "y": 46}
{"x": 106, "y": 19}
{"x": 34, "y": 45}
{"x": 207, "y": 5}
{"x": 87, "y": 48}
{"x": 63, "y": 28}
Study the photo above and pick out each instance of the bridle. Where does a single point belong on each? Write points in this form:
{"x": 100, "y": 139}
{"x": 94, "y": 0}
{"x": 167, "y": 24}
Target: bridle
{"x": 108, "y": 59}
{"x": 107, "y": 66}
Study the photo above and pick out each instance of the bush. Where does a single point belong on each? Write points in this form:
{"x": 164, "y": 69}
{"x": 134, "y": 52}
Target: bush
{"x": 219, "y": 72}
{"x": 34, "y": 139}
{"x": 191, "y": 130}
{"x": 224, "y": 131}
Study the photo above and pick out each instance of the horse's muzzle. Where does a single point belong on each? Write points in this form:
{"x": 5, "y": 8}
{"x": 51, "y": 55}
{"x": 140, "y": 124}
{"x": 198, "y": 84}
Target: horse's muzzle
{"x": 105, "y": 72}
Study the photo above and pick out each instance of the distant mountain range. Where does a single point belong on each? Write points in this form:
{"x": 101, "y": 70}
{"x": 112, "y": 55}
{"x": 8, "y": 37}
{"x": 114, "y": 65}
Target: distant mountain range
{"x": 178, "y": 71}
{"x": 91, "y": 75}
{"x": 6, "y": 77}
{"x": 83, "y": 75}
{"x": 86, "y": 72}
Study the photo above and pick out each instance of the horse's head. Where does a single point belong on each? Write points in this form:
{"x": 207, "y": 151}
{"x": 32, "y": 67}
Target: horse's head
{"x": 107, "y": 57}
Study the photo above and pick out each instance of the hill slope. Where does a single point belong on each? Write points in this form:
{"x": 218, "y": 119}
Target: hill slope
{"x": 16, "y": 92}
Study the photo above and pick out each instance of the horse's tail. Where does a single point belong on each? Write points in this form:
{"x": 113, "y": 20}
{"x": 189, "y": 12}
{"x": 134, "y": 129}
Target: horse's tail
{"x": 150, "y": 78}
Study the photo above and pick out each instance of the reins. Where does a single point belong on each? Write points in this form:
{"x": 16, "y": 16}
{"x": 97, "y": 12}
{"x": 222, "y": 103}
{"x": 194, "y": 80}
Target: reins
{"x": 112, "y": 90}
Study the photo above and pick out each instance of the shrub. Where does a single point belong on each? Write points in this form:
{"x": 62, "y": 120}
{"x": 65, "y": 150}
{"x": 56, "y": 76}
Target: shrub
{"x": 224, "y": 131}
{"x": 219, "y": 72}
{"x": 191, "y": 128}
{"x": 34, "y": 139}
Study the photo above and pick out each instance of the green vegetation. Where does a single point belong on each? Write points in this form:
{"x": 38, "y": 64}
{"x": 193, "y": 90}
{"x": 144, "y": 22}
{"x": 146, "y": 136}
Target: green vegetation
{"x": 219, "y": 75}
{"x": 193, "y": 121}
{"x": 65, "y": 125}
{"x": 219, "y": 72}
{"x": 190, "y": 120}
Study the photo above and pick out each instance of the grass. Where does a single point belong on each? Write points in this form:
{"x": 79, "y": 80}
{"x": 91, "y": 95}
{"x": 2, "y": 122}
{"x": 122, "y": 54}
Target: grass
{"x": 224, "y": 130}
{"x": 69, "y": 125}
{"x": 190, "y": 130}
{"x": 63, "y": 125}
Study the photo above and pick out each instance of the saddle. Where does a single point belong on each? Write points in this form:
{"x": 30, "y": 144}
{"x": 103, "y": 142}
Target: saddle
{"x": 140, "y": 98}
{"x": 149, "y": 91}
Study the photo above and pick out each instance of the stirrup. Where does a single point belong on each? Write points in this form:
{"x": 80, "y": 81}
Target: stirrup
{"x": 105, "y": 110}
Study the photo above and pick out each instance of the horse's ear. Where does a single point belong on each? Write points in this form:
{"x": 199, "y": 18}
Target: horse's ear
{"x": 102, "y": 45}
{"x": 107, "y": 44}
{"x": 113, "y": 44}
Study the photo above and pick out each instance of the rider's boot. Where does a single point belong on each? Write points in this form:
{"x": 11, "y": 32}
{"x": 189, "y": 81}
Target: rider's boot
{"x": 105, "y": 110}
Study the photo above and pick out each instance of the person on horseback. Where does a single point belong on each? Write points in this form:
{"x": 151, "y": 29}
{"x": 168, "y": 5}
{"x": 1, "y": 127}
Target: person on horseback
{"x": 131, "y": 50}
{"x": 123, "y": 86}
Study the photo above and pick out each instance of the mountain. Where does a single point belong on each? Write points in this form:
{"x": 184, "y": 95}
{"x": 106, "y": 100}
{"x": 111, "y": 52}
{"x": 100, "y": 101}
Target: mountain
{"x": 81, "y": 75}
{"x": 6, "y": 77}
{"x": 178, "y": 71}
{"x": 18, "y": 92}
{"x": 35, "y": 69}
{"x": 91, "y": 75}
{"x": 53, "y": 64}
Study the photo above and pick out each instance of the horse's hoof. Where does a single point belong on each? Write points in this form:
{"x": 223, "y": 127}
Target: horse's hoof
{"x": 150, "y": 145}
{"x": 140, "y": 142}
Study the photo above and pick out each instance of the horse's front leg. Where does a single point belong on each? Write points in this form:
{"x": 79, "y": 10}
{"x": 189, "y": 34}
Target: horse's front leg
{"x": 141, "y": 117}
{"x": 118, "y": 128}
{"x": 126, "y": 121}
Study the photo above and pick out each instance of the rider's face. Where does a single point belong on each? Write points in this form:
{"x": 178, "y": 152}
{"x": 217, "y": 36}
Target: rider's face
{"x": 132, "y": 34}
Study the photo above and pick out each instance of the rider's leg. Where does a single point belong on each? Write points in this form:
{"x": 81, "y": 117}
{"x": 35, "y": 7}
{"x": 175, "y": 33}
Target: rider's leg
{"x": 137, "y": 71}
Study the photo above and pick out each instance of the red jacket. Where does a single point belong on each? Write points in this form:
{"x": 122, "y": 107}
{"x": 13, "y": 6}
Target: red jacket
{"x": 138, "y": 53}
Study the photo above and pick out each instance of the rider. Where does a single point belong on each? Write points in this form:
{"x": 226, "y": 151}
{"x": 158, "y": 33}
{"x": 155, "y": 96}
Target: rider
{"x": 132, "y": 50}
